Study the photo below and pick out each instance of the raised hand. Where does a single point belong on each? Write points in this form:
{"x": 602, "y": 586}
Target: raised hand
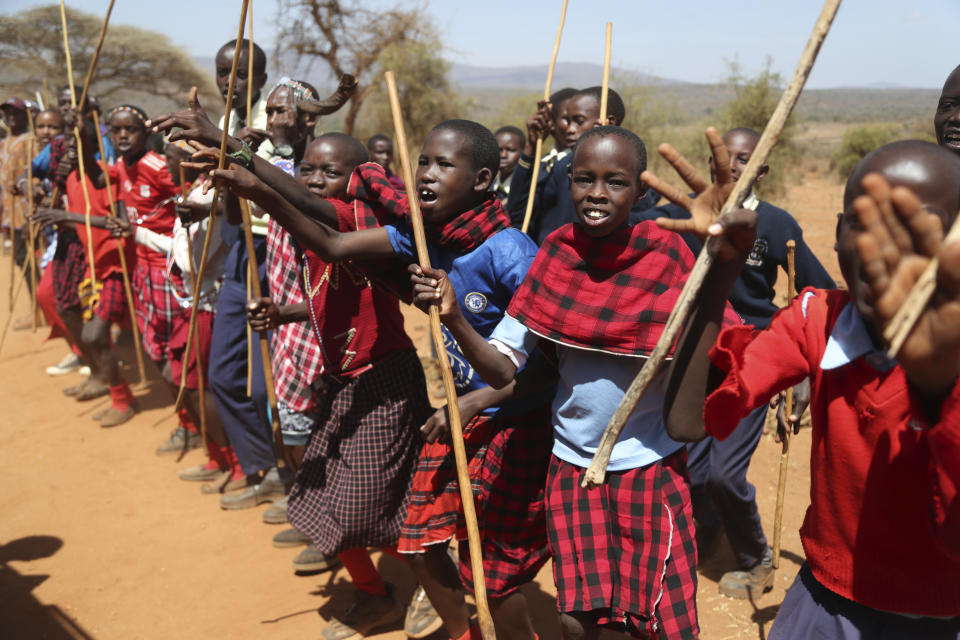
{"x": 193, "y": 123}
{"x": 538, "y": 126}
{"x": 253, "y": 136}
{"x": 432, "y": 287}
{"x": 709, "y": 198}
{"x": 899, "y": 239}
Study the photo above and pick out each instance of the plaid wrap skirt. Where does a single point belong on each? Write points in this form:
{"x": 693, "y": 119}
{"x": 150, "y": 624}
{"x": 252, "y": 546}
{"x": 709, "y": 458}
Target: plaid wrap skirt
{"x": 353, "y": 485}
{"x": 69, "y": 266}
{"x": 156, "y": 308}
{"x": 626, "y": 550}
{"x": 508, "y": 459}
{"x": 177, "y": 345}
{"x": 111, "y": 304}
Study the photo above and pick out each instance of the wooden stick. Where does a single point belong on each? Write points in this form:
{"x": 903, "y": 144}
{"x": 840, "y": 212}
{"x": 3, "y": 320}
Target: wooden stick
{"x": 787, "y": 411}
{"x": 596, "y": 473}
{"x": 535, "y": 174}
{"x": 76, "y": 131}
{"x": 453, "y": 409}
{"x": 124, "y": 270}
{"x": 252, "y": 272}
{"x": 95, "y": 58}
{"x": 6, "y": 326}
{"x": 31, "y": 247}
{"x": 605, "y": 84}
{"x": 221, "y": 161}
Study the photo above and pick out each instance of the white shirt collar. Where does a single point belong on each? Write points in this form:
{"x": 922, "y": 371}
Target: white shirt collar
{"x": 850, "y": 340}
{"x": 751, "y": 201}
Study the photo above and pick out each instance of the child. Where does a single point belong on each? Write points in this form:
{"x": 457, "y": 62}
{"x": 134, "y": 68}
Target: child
{"x": 148, "y": 192}
{"x": 597, "y": 295}
{"x": 107, "y": 303}
{"x": 946, "y": 120}
{"x": 380, "y": 150}
{"x": 510, "y": 140}
{"x": 723, "y": 500}
{"x": 469, "y": 233}
{"x": 882, "y": 530}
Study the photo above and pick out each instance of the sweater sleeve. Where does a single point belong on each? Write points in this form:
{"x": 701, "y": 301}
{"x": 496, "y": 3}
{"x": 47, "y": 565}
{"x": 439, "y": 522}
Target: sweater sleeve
{"x": 752, "y": 376}
{"x": 944, "y": 441}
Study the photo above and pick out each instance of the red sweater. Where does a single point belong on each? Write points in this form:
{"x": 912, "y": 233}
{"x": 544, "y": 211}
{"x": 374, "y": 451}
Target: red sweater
{"x": 883, "y": 526}
{"x": 148, "y": 191}
{"x": 105, "y": 256}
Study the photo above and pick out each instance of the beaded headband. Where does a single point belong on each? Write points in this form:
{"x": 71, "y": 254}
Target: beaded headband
{"x": 137, "y": 112}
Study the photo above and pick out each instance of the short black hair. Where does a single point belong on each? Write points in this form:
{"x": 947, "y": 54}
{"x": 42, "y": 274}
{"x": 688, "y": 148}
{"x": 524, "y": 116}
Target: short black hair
{"x": 561, "y": 95}
{"x": 512, "y": 130}
{"x": 615, "y": 108}
{"x": 609, "y": 130}
{"x": 259, "y": 57}
{"x": 358, "y": 152}
{"x": 377, "y": 137}
{"x": 484, "y": 150}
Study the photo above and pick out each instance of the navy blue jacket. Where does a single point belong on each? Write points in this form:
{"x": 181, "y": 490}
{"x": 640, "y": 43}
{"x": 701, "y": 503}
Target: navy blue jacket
{"x": 752, "y": 294}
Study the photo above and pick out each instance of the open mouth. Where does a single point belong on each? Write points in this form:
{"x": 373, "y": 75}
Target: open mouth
{"x": 595, "y": 215}
{"x": 426, "y": 196}
{"x": 951, "y": 137}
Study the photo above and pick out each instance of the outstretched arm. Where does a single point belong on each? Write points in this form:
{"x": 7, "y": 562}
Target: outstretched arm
{"x": 45, "y": 216}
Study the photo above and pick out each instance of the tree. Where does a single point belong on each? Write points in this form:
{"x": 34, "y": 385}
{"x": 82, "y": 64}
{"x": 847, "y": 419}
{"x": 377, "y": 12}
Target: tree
{"x": 132, "y": 60}
{"x": 858, "y": 142}
{"x": 349, "y": 38}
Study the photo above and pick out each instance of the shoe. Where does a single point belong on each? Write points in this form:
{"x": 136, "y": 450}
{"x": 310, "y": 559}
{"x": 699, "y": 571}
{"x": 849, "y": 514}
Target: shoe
{"x": 290, "y": 538}
{"x": 264, "y": 491}
{"x": 174, "y": 444}
{"x": 368, "y": 612}
{"x": 310, "y": 560}
{"x": 422, "y": 619}
{"x": 84, "y": 371}
{"x": 92, "y": 390}
{"x": 114, "y": 417}
{"x": 752, "y": 583}
{"x": 199, "y": 473}
{"x": 224, "y": 484}
{"x": 277, "y": 512}
{"x": 99, "y": 414}
{"x": 70, "y": 362}
{"x": 73, "y": 390}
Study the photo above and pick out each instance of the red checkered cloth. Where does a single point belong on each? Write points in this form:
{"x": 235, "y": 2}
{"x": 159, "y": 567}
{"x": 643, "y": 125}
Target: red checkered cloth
{"x": 626, "y": 550}
{"x": 353, "y": 485}
{"x": 69, "y": 265}
{"x": 156, "y": 308}
{"x": 611, "y": 294}
{"x": 296, "y": 356}
{"x": 178, "y": 342}
{"x": 111, "y": 304}
{"x": 507, "y": 458}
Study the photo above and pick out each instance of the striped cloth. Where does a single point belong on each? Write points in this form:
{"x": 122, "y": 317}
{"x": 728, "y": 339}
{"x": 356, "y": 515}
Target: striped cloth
{"x": 69, "y": 265}
{"x": 156, "y": 308}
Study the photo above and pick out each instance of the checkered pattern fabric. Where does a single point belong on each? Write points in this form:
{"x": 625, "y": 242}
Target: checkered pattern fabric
{"x": 69, "y": 265}
{"x": 296, "y": 356}
{"x": 353, "y": 486}
{"x": 178, "y": 343}
{"x": 111, "y": 305}
{"x": 626, "y": 550}
{"x": 612, "y": 294}
{"x": 156, "y": 308}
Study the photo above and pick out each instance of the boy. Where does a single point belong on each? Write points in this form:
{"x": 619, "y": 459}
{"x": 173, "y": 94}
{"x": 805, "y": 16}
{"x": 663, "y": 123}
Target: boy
{"x": 946, "y": 120}
{"x": 723, "y": 500}
{"x": 597, "y": 296}
{"x": 510, "y": 140}
{"x": 380, "y": 150}
{"x": 882, "y": 530}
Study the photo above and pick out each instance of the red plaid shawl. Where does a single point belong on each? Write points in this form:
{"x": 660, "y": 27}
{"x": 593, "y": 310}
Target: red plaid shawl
{"x": 611, "y": 294}
{"x": 379, "y": 197}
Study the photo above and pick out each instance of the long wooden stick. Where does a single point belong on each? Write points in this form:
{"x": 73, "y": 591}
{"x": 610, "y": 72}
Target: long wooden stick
{"x": 6, "y": 326}
{"x": 605, "y": 84}
{"x": 221, "y": 161}
{"x": 76, "y": 131}
{"x": 252, "y": 272}
{"x": 124, "y": 270}
{"x": 598, "y": 466}
{"x": 787, "y": 411}
{"x": 31, "y": 247}
{"x": 535, "y": 174}
{"x": 453, "y": 409}
{"x": 96, "y": 57}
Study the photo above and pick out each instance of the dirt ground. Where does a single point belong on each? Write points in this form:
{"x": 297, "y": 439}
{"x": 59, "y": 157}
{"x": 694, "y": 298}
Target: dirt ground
{"x": 99, "y": 539}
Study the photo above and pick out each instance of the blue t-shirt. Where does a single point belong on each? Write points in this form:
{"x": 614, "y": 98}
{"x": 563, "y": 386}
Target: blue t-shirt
{"x": 592, "y": 384}
{"x": 485, "y": 280}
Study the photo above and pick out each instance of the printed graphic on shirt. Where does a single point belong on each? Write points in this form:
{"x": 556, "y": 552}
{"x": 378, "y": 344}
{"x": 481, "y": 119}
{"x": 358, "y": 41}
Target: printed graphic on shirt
{"x": 475, "y": 302}
{"x": 759, "y": 250}
{"x": 144, "y": 191}
{"x": 462, "y": 371}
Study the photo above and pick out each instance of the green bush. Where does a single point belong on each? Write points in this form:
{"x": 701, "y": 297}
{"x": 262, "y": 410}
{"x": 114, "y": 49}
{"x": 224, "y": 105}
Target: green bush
{"x": 858, "y": 142}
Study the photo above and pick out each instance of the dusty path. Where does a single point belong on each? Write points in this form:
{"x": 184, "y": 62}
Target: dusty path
{"x": 99, "y": 539}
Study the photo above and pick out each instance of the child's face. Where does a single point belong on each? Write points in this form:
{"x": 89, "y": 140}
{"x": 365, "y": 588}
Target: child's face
{"x": 223, "y": 62}
{"x": 128, "y": 133}
{"x": 605, "y": 184}
{"x": 510, "y": 148}
{"x": 740, "y": 146}
{"x": 933, "y": 185}
{"x": 583, "y": 114}
{"x": 447, "y": 181}
{"x": 48, "y": 125}
{"x": 15, "y": 119}
{"x": 325, "y": 169}
{"x": 284, "y": 122}
{"x": 381, "y": 152}
{"x": 560, "y": 126}
{"x": 946, "y": 121}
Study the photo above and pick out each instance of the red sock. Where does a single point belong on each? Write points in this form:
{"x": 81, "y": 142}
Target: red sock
{"x": 216, "y": 458}
{"x": 236, "y": 471}
{"x": 392, "y": 551}
{"x": 364, "y": 575}
{"x": 473, "y": 633}
{"x": 186, "y": 421}
{"x": 121, "y": 397}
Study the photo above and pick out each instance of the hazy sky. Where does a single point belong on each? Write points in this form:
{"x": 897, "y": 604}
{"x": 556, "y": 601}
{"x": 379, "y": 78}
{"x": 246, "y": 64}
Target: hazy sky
{"x": 872, "y": 41}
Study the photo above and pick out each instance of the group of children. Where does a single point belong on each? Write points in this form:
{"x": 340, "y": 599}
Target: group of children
{"x": 544, "y": 332}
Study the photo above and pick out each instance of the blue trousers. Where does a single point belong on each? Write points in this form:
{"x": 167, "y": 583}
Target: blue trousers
{"x": 246, "y": 420}
{"x": 722, "y": 497}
